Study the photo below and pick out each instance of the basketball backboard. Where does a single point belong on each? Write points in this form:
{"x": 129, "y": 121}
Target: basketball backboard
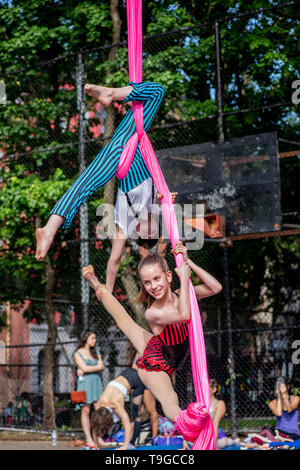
{"x": 238, "y": 179}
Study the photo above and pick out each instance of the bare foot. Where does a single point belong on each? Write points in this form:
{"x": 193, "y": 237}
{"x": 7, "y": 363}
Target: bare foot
{"x": 43, "y": 240}
{"x": 100, "y": 93}
{"x": 89, "y": 274}
{"x": 90, "y": 443}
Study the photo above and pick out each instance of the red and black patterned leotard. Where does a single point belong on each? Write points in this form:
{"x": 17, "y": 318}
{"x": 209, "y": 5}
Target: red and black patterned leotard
{"x": 165, "y": 351}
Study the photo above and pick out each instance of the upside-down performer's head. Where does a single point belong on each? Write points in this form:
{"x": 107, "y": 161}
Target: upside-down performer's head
{"x": 148, "y": 232}
{"x": 101, "y": 421}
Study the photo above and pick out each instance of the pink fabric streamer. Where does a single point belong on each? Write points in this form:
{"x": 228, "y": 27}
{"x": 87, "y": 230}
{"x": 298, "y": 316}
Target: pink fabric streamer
{"x": 194, "y": 423}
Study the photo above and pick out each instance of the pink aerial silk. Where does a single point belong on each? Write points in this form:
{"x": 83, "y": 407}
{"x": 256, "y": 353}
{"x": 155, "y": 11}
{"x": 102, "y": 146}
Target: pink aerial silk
{"x": 194, "y": 423}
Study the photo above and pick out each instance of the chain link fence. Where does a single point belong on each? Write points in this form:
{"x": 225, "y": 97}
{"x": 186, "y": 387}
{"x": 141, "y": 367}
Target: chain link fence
{"x": 212, "y": 96}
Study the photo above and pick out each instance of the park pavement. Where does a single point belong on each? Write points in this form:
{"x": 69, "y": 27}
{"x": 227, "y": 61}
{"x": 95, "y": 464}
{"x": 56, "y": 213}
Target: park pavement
{"x": 35, "y": 445}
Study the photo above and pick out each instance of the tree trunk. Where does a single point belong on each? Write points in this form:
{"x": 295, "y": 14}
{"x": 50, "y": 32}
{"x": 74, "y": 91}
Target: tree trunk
{"x": 48, "y": 365}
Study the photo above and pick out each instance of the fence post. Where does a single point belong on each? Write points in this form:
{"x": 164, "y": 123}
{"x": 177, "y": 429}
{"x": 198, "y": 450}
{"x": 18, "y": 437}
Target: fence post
{"x": 83, "y": 212}
{"x": 230, "y": 343}
{"x": 219, "y": 84}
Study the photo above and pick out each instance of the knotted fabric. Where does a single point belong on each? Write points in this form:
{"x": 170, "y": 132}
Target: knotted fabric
{"x": 195, "y": 421}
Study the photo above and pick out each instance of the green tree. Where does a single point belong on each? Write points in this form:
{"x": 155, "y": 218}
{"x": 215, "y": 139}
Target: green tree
{"x": 24, "y": 201}
{"x": 259, "y": 63}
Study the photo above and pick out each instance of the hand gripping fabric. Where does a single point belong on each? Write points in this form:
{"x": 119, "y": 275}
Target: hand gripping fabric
{"x": 194, "y": 423}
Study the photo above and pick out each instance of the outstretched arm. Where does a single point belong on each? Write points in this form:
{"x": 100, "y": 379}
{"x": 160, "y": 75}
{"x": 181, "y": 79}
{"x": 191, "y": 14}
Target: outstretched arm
{"x": 114, "y": 261}
{"x": 120, "y": 411}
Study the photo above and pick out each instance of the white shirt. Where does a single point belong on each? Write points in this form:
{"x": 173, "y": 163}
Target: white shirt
{"x": 143, "y": 200}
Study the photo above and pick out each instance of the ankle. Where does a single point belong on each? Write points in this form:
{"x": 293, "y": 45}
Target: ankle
{"x": 48, "y": 232}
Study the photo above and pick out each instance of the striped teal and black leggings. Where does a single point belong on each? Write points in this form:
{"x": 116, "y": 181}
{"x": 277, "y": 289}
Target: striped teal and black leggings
{"x": 104, "y": 166}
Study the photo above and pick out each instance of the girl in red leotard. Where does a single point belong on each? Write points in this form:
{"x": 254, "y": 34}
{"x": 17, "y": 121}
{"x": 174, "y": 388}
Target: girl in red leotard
{"x": 167, "y": 315}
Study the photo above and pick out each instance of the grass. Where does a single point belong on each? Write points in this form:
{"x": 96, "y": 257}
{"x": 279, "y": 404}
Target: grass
{"x": 248, "y": 424}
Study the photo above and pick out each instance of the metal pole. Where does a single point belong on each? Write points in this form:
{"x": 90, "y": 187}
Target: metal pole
{"x": 219, "y": 334}
{"x": 219, "y": 84}
{"x": 83, "y": 211}
{"x": 230, "y": 342}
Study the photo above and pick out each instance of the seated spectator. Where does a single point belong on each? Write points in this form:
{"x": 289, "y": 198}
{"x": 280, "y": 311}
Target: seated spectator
{"x": 217, "y": 411}
{"x": 285, "y": 408}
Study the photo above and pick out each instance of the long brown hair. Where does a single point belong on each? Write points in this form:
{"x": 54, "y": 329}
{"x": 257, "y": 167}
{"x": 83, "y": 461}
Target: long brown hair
{"x": 101, "y": 421}
{"x": 151, "y": 259}
{"x": 83, "y": 339}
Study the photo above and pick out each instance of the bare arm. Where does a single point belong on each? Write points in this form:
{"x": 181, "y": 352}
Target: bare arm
{"x": 295, "y": 402}
{"x": 115, "y": 258}
{"x": 100, "y": 362}
{"x": 210, "y": 285}
{"x": 86, "y": 369}
{"x": 286, "y": 402}
{"x": 276, "y": 407}
{"x": 184, "y": 298}
{"x": 283, "y": 401}
{"x": 290, "y": 405}
{"x": 120, "y": 411}
{"x": 220, "y": 412}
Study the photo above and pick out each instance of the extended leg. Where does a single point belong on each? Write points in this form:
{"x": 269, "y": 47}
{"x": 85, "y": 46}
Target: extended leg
{"x": 45, "y": 235}
{"x": 150, "y": 404}
{"x": 159, "y": 383}
{"x": 104, "y": 166}
{"x": 113, "y": 264}
{"x": 106, "y": 95}
{"x": 136, "y": 334}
